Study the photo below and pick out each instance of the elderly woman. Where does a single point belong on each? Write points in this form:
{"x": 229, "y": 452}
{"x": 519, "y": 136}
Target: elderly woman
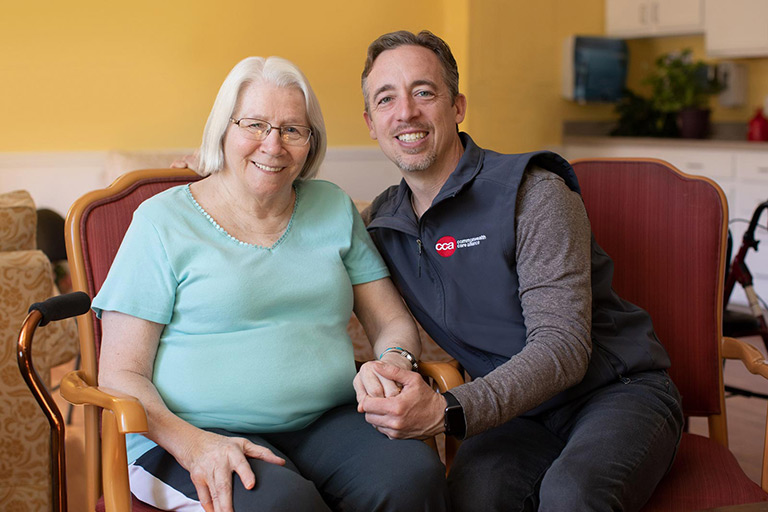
{"x": 225, "y": 313}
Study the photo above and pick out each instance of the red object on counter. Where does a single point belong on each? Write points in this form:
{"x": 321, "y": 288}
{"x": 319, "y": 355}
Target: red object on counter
{"x": 758, "y": 127}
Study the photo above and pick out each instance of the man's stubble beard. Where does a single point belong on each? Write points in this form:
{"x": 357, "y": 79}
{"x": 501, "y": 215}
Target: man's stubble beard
{"x": 421, "y": 165}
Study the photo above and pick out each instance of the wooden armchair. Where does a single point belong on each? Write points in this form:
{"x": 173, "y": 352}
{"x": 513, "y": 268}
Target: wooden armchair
{"x": 95, "y": 227}
{"x": 666, "y": 233}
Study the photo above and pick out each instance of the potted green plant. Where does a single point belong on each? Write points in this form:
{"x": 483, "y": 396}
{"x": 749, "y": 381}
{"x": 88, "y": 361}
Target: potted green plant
{"x": 639, "y": 118}
{"x": 682, "y": 86}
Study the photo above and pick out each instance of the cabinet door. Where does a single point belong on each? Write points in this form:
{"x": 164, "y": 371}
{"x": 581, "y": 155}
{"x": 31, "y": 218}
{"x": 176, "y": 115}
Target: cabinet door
{"x": 627, "y": 18}
{"x": 675, "y": 17}
{"x": 645, "y": 18}
{"x": 736, "y": 28}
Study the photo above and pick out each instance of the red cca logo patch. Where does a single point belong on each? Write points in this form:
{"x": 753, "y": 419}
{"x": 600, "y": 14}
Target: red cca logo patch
{"x": 446, "y": 246}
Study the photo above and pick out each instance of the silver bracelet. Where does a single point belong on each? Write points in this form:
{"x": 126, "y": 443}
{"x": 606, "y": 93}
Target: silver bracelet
{"x": 405, "y": 354}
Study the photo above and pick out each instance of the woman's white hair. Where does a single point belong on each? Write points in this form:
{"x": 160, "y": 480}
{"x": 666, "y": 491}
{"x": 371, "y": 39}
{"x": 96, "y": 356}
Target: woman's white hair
{"x": 272, "y": 70}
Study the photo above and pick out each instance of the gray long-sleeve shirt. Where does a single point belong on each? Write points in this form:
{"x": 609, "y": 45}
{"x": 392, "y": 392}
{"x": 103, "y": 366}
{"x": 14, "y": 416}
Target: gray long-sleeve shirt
{"x": 553, "y": 265}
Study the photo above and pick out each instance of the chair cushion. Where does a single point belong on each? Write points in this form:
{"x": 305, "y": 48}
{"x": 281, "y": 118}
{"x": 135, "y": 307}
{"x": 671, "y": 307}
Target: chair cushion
{"x": 18, "y": 221}
{"x": 704, "y": 475}
{"x": 136, "y": 506}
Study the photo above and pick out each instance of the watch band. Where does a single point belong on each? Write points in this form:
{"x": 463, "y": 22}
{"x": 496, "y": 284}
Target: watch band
{"x": 405, "y": 354}
{"x": 454, "y": 422}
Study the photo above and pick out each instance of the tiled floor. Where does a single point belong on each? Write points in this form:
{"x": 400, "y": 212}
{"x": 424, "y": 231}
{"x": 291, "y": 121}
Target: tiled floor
{"x": 746, "y": 428}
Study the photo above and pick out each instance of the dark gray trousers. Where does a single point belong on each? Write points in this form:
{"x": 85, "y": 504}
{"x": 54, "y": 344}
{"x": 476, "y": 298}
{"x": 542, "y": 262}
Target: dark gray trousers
{"x": 603, "y": 452}
{"x": 338, "y": 463}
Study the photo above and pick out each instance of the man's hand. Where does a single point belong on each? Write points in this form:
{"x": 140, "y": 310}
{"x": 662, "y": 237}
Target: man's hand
{"x": 212, "y": 458}
{"x": 415, "y": 413}
{"x": 187, "y": 161}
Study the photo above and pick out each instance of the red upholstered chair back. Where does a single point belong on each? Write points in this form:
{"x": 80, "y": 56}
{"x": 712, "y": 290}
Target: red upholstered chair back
{"x": 104, "y": 216}
{"x": 666, "y": 233}
{"x": 95, "y": 226}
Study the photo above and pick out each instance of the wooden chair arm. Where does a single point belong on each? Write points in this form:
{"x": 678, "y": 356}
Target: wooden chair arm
{"x": 755, "y": 362}
{"x": 445, "y": 375}
{"x": 128, "y": 411}
{"x": 122, "y": 414}
{"x": 752, "y": 358}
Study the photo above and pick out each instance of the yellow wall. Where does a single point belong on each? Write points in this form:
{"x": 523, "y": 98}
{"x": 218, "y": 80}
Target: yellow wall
{"x": 514, "y": 76}
{"x": 456, "y": 16}
{"x": 94, "y": 75}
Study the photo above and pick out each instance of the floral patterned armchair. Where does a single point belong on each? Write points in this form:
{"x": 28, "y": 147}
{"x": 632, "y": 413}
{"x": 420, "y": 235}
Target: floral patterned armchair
{"x": 25, "y": 278}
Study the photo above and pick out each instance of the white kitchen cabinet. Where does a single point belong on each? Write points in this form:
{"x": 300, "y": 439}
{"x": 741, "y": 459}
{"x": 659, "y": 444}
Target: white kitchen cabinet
{"x": 736, "y": 28}
{"x": 740, "y": 168}
{"x": 646, "y": 18}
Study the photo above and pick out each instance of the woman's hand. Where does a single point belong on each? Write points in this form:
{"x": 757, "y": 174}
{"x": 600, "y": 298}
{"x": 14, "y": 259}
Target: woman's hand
{"x": 368, "y": 382}
{"x": 212, "y": 458}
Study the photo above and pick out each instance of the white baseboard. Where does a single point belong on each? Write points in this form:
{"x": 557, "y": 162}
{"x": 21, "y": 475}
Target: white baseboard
{"x": 55, "y": 180}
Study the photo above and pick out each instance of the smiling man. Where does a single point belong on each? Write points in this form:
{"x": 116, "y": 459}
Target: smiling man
{"x": 570, "y": 406}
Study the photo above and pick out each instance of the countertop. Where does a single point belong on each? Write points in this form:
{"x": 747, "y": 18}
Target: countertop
{"x": 724, "y": 136}
{"x": 583, "y": 140}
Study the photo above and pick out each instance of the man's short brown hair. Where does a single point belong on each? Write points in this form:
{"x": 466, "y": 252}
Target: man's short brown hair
{"x": 426, "y": 39}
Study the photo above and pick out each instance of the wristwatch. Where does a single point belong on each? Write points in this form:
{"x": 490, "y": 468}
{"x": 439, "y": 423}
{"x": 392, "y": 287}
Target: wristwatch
{"x": 454, "y": 422}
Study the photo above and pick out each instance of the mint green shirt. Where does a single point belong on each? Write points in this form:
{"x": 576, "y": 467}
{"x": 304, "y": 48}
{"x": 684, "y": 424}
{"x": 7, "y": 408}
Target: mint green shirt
{"x": 255, "y": 338}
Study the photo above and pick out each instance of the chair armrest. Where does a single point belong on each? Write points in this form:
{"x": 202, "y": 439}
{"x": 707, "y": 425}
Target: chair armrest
{"x": 122, "y": 414}
{"x": 752, "y": 358}
{"x": 445, "y": 375}
{"x": 755, "y": 362}
{"x": 129, "y": 413}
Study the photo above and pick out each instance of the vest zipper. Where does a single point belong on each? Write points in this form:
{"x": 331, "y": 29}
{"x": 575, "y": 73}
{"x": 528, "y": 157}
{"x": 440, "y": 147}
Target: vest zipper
{"x": 418, "y": 243}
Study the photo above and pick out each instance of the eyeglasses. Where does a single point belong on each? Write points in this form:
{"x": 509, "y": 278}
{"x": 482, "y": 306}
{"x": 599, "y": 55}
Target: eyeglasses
{"x": 256, "y": 129}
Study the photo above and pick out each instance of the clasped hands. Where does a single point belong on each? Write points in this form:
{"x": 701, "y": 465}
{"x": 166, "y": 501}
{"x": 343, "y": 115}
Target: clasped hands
{"x": 397, "y": 401}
